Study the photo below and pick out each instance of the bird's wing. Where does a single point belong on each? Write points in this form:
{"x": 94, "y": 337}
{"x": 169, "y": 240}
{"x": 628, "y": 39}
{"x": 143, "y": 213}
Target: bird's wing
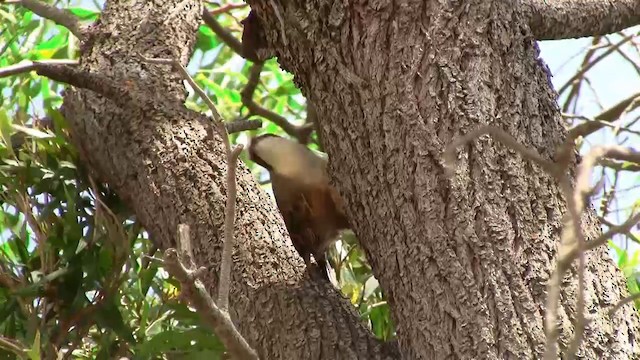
{"x": 300, "y": 210}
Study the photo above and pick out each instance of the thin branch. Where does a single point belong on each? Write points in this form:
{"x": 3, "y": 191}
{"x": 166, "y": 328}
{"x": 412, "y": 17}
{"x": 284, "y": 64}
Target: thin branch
{"x": 227, "y": 8}
{"x": 504, "y": 138}
{"x": 623, "y": 228}
{"x": 622, "y": 303}
{"x": 213, "y": 316}
{"x": 32, "y": 65}
{"x": 580, "y": 73}
{"x": 222, "y": 33}
{"x": 242, "y": 125}
{"x": 618, "y": 166}
{"x": 554, "y": 20}
{"x": 229, "y": 219}
{"x": 573, "y": 237}
{"x": 280, "y": 21}
{"x": 219, "y": 122}
{"x": 573, "y": 245}
{"x": 232, "y": 157}
{"x": 59, "y": 16}
{"x": 572, "y": 242}
{"x": 87, "y": 80}
{"x": 301, "y": 133}
{"x": 13, "y": 346}
{"x": 610, "y": 115}
{"x": 575, "y": 88}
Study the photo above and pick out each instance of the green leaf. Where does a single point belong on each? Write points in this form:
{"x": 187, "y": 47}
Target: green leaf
{"x": 9, "y": 17}
{"x": 109, "y": 316}
{"x": 34, "y": 352}
{"x": 206, "y": 39}
{"x": 38, "y": 134}
{"x": 6, "y": 131}
{"x": 47, "y": 49}
{"x": 84, "y": 13}
{"x": 176, "y": 340}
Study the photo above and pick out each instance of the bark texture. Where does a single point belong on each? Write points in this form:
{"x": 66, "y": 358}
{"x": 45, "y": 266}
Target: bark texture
{"x": 553, "y": 20}
{"x": 463, "y": 261}
{"x": 168, "y": 165}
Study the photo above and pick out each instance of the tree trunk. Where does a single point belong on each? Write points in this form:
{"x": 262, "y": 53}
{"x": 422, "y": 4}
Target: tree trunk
{"x": 463, "y": 261}
{"x": 168, "y": 164}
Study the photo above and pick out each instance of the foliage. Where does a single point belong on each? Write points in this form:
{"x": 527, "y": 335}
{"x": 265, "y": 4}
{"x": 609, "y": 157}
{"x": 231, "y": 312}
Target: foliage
{"x": 73, "y": 271}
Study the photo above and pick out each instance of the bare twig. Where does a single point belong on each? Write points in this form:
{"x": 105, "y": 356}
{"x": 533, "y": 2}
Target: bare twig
{"x": 610, "y": 115}
{"x": 623, "y": 228}
{"x": 32, "y": 65}
{"x": 229, "y": 217}
{"x": 580, "y": 73}
{"x": 184, "y": 244}
{"x": 59, "y": 16}
{"x": 618, "y": 166}
{"x": 575, "y": 88}
{"x": 301, "y": 133}
{"x": 219, "y": 122}
{"x": 213, "y": 316}
{"x": 572, "y": 237}
{"x": 13, "y": 346}
{"x": 622, "y": 303}
{"x": 504, "y": 138}
{"x": 225, "y": 35}
{"x": 572, "y": 243}
{"x": 232, "y": 157}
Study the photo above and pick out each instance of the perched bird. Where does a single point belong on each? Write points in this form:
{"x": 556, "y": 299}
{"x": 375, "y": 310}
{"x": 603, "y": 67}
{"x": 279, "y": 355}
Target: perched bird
{"x": 311, "y": 208}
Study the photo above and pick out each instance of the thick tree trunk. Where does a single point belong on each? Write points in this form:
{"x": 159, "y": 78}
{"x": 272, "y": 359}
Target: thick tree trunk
{"x": 463, "y": 261}
{"x": 168, "y": 165}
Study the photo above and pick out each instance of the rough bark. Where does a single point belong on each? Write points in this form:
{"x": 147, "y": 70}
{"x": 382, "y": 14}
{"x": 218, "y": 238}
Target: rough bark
{"x": 553, "y": 20}
{"x": 167, "y": 163}
{"x": 463, "y": 261}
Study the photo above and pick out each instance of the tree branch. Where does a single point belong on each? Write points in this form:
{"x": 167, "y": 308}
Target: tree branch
{"x": 225, "y": 35}
{"x": 229, "y": 220}
{"x": 86, "y": 80}
{"x": 242, "y": 125}
{"x": 618, "y": 166}
{"x": 610, "y": 115}
{"x": 33, "y": 65}
{"x": 504, "y": 138}
{"x": 232, "y": 158}
{"x": 13, "y": 346}
{"x": 183, "y": 152}
{"x": 199, "y": 298}
{"x": 586, "y": 67}
{"x": 59, "y": 16}
{"x": 301, "y": 133}
{"x": 623, "y": 302}
{"x": 553, "y": 20}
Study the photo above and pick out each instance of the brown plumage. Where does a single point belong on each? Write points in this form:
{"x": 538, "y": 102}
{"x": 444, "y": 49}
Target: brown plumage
{"x": 311, "y": 208}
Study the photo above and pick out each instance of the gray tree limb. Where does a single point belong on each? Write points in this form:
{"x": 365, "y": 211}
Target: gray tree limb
{"x": 565, "y": 19}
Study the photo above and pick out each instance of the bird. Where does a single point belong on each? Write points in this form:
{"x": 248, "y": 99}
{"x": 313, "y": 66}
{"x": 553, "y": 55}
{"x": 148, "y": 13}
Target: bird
{"x": 312, "y": 209}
